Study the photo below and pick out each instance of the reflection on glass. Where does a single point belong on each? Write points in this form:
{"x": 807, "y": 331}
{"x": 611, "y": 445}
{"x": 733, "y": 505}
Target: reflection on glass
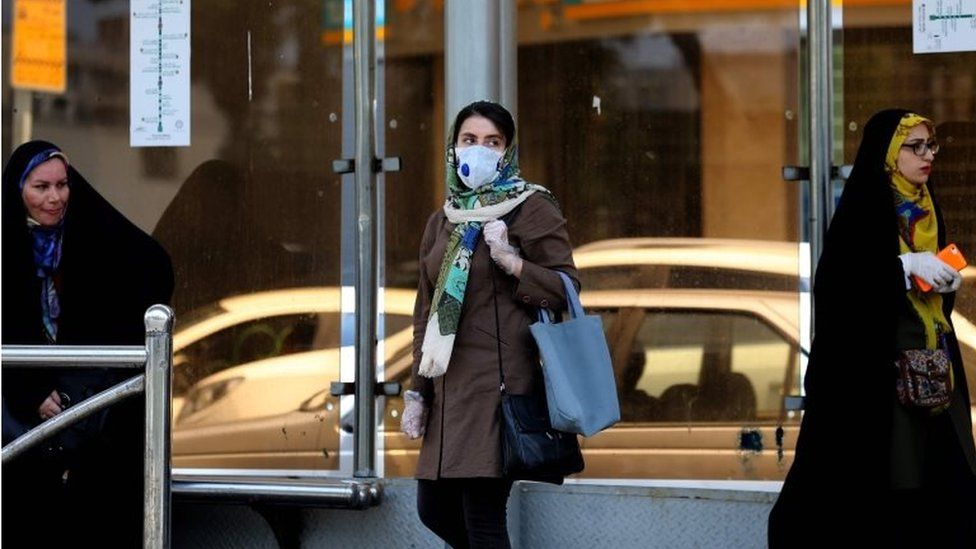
{"x": 251, "y": 378}
{"x": 249, "y": 207}
{"x": 656, "y": 123}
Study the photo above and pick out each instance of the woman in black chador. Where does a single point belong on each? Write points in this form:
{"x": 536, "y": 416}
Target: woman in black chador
{"x": 874, "y": 467}
{"x": 75, "y": 272}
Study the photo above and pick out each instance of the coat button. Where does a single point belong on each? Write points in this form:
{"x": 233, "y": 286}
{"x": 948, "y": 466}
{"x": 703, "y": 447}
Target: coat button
{"x": 526, "y": 299}
{"x": 544, "y": 303}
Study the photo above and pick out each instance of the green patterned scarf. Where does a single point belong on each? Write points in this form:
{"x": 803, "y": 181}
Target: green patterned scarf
{"x": 469, "y": 210}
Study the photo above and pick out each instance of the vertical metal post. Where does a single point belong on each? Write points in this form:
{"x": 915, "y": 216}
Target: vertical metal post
{"x": 820, "y": 94}
{"x": 508, "y": 55}
{"x": 480, "y": 55}
{"x": 159, "y": 364}
{"x": 364, "y": 433}
{"x": 23, "y": 115}
{"x": 471, "y": 53}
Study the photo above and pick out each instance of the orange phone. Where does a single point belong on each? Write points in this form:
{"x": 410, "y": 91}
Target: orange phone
{"x": 952, "y": 257}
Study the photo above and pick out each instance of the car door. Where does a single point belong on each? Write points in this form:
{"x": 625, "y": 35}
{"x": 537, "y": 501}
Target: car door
{"x": 701, "y": 392}
{"x": 255, "y": 395}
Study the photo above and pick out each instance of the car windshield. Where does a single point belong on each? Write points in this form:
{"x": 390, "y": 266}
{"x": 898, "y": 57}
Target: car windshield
{"x": 251, "y": 341}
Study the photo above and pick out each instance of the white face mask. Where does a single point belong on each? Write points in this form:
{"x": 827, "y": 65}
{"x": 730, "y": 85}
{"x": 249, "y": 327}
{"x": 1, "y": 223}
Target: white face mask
{"x": 477, "y": 165}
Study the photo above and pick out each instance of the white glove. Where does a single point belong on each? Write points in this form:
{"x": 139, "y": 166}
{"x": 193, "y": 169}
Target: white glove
{"x": 413, "y": 423}
{"x": 505, "y": 255}
{"x": 950, "y": 287}
{"x": 931, "y": 269}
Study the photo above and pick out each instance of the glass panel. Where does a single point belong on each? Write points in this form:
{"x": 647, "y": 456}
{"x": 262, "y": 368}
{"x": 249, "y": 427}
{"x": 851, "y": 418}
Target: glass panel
{"x": 662, "y": 122}
{"x": 251, "y": 341}
{"x": 413, "y": 45}
{"x": 880, "y": 71}
{"x": 662, "y": 132}
{"x": 249, "y": 209}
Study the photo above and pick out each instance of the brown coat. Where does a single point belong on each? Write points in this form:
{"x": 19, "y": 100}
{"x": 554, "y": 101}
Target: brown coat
{"x": 462, "y": 439}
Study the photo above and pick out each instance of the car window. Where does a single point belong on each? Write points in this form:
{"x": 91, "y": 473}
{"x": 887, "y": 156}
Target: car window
{"x": 705, "y": 366}
{"x": 251, "y": 341}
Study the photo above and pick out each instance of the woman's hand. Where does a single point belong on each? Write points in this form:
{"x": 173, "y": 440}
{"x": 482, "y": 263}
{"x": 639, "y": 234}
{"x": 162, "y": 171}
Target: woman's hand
{"x": 503, "y": 253}
{"x": 931, "y": 269}
{"x": 413, "y": 423}
{"x": 951, "y": 286}
{"x": 51, "y": 406}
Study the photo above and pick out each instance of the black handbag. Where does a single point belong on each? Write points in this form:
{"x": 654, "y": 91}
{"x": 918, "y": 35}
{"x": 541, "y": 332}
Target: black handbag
{"x": 531, "y": 448}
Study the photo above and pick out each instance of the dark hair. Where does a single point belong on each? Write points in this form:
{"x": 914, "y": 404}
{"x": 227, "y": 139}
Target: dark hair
{"x": 499, "y": 116}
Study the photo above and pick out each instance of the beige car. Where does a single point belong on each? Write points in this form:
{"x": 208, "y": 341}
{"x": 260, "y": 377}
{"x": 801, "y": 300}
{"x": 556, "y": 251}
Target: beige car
{"x": 744, "y": 265}
{"x": 252, "y": 376}
{"x": 251, "y": 381}
{"x": 704, "y": 336}
{"x": 700, "y": 373}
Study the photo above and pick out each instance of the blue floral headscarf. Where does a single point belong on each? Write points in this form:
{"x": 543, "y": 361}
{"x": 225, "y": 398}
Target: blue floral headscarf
{"x": 46, "y": 244}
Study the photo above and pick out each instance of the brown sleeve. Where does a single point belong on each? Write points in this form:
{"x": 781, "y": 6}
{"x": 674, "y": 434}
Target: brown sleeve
{"x": 539, "y": 231}
{"x": 421, "y": 308}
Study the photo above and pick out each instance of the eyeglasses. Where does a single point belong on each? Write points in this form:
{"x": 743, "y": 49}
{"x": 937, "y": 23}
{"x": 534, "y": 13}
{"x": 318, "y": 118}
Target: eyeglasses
{"x": 922, "y": 147}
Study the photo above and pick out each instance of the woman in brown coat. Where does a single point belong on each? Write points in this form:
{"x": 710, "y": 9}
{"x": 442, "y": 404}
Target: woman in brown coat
{"x": 454, "y": 401}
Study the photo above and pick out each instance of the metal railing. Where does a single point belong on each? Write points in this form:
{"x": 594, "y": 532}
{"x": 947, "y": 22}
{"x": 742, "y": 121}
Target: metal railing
{"x": 157, "y": 360}
{"x": 306, "y": 492}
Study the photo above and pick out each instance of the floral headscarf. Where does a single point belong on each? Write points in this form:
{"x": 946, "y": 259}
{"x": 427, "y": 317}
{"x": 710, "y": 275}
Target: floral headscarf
{"x": 469, "y": 210}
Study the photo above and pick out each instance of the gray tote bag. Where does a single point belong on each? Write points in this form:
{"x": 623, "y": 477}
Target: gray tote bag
{"x": 580, "y": 387}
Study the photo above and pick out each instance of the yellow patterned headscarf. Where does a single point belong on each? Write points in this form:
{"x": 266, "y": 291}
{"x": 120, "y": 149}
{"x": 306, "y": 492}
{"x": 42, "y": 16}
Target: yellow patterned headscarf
{"x": 918, "y": 227}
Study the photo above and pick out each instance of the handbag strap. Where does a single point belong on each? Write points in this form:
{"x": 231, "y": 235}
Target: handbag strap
{"x": 572, "y": 300}
{"x": 508, "y": 219}
{"x": 498, "y": 332}
{"x": 572, "y": 296}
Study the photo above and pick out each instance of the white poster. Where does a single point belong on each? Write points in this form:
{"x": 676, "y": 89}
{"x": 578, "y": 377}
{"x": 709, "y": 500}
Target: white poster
{"x": 159, "y": 73}
{"x": 944, "y": 25}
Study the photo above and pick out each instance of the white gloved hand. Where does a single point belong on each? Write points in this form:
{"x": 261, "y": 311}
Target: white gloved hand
{"x": 951, "y": 286}
{"x": 929, "y": 268}
{"x": 413, "y": 423}
{"x": 504, "y": 254}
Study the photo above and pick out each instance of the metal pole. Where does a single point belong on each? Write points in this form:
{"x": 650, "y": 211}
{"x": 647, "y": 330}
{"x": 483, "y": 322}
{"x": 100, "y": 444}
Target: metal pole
{"x": 820, "y": 144}
{"x": 159, "y": 365}
{"x": 347, "y": 495}
{"x": 71, "y": 415}
{"x": 75, "y": 356}
{"x": 508, "y": 55}
{"x": 364, "y": 432}
{"x": 471, "y": 52}
{"x": 23, "y": 117}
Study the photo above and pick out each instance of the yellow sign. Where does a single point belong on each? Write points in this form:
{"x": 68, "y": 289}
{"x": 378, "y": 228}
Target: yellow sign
{"x": 39, "y": 45}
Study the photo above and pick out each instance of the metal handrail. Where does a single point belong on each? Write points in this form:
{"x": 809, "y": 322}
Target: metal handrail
{"x": 157, "y": 359}
{"x": 325, "y": 493}
{"x": 64, "y": 420}
{"x": 74, "y": 356}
